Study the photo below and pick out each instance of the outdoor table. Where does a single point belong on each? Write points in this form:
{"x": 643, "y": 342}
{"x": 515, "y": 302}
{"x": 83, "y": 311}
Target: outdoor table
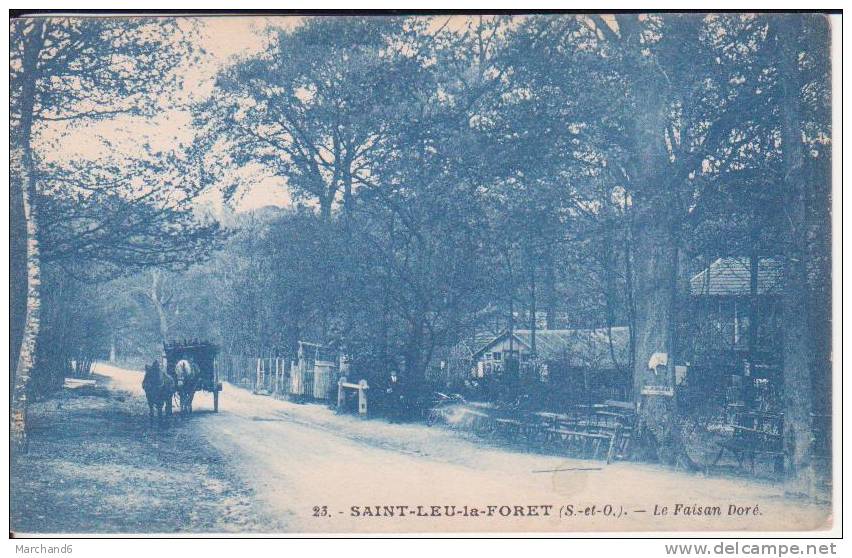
{"x": 481, "y": 421}
{"x": 625, "y": 405}
{"x": 756, "y": 432}
{"x": 509, "y": 425}
{"x": 553, "y": 418}
{"x": 615, "y": 417}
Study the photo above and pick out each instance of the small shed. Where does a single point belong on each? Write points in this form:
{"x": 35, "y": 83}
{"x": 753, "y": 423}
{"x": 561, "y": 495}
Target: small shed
{"x": 603, "y": 348}
{"x": 315, "y": 372}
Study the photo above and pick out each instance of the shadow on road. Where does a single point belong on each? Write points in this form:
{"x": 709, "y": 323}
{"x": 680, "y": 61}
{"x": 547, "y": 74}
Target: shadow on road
{"x": 96, "y": 465}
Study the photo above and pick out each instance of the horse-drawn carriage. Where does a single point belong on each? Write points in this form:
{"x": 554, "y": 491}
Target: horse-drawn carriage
{"x": 192, "y": 362}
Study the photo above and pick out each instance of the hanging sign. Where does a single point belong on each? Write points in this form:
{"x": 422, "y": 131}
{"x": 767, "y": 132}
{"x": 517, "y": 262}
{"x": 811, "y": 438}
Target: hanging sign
{"x": 658, "y": 390}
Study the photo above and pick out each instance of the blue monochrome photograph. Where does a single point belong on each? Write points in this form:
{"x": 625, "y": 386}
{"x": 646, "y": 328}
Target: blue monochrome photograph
{"x": 389, "y": 273}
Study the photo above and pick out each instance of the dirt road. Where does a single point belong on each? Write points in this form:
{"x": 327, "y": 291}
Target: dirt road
{"x": 95, "y": 465}
{"x": 310, "y": 470}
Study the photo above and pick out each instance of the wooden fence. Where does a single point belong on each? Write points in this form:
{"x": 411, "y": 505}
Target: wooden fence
{"x": 279, "y": 376}
{"x": 238, "y": 370}
{"x": 79, "y": 367}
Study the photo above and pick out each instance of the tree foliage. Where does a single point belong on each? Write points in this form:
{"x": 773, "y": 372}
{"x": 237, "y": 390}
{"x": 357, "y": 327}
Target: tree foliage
{"x": 454, "y": 176}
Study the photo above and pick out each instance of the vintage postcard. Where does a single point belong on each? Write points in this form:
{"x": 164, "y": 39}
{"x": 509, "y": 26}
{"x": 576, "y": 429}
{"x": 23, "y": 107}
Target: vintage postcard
{"x": 416, "y": 274}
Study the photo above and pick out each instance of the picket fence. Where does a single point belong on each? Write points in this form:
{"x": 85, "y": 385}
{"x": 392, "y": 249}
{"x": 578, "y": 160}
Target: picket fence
{"x": 279, "y": 376}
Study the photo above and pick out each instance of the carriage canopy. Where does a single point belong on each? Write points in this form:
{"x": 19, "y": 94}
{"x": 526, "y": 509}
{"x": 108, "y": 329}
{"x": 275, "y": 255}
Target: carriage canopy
{"x": 200, "y": 353}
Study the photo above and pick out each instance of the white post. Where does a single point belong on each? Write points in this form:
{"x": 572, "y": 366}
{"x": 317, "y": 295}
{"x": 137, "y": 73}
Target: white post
{"x": 341, "y": 394}
{"x": 362, "y": 398}
{"x": 275, "y": 383}
{"x": 257, "y": 377}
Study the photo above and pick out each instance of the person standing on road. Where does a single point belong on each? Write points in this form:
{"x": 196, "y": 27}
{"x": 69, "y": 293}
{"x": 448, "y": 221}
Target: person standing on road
{"x": 394, "y": 397}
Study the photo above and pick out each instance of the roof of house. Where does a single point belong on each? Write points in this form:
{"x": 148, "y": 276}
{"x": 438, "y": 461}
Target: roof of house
{"x": 580, "y": 347}
{"x": 471, "y": 346}
{"x": 732, "y": 277}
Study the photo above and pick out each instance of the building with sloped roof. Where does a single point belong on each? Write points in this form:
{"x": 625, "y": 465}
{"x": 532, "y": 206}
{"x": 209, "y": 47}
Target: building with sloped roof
{"x": 578, "y": 363}
{"x": 603, "y": 348}
{"x": 726, "y": 298}
{"x": 732, "y": 277}
{"x": 580, "y": 347}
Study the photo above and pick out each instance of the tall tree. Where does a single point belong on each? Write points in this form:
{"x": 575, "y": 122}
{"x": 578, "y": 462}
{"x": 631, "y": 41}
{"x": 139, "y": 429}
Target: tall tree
{"x": 694, "y": 94}
{"x": 71, "y": 70}
{"x": 312, "y": 107}
{"x": 118, "y": 215}
{"x": 803, "y": 122}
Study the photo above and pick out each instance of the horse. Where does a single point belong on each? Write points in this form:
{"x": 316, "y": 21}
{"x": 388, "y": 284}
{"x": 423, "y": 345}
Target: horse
{"x": 159, "y": 388}
{"x": 187, "y": 375}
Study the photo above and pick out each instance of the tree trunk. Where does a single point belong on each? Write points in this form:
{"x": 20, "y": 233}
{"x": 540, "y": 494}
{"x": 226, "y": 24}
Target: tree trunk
{"x": 23, "y": 156}
{"x": 798, "y": 389}
{"x": 655, "y": 273}
{"x": 655, "y": 255}
{"x": 157, "y": 301}
{"x": 754, "y": 270}
{"x": 346, "y": 180}
{"x": 413, "y": 353}
{"x": 656, "y": 215}
{"x": 113, "y": 353}
{"x": 631, "y": 291}
{"x": 17, "y": 271}
{"x": 326, "y": 202}
{"x": 414, "y": 379}
{"x": 511, "y": 284}
{"x": 533, "y": 309}
{"x": 550, "y": 298}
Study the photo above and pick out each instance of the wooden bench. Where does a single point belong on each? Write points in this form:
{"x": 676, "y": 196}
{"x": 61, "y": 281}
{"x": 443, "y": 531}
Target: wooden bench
{"x": 591, "y": 430}
{"x": 619, "y": 422}
{"x": 587, "y": 444}
{"x": 526, "y": 430}
{"x": 755, "y": 434}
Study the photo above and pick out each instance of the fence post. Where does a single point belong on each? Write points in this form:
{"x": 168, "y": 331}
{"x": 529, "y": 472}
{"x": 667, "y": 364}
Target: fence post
{"x": 341, "y": 394}
{"x": 257, "y": 376}
{"x": 275, "y": 377}
{"x": 283, "y": 382}
{"x": 282, "y": 387}
{"x": 362, "y": 398}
